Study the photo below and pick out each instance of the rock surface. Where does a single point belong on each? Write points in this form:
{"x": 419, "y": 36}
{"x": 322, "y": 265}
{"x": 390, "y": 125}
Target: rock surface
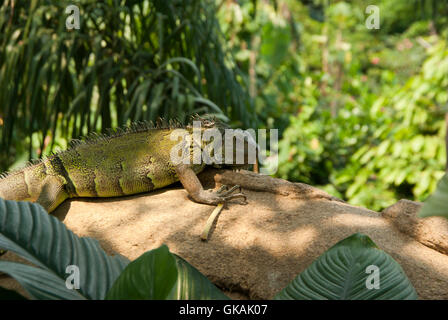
{"x": 255, "y": 250}
{"x": 431, "y": 231}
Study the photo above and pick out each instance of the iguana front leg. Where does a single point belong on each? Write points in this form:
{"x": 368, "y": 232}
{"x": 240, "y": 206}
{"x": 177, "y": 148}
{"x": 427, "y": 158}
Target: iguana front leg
{"x": 194, "y": 188}
{"x": 52, "y": 193}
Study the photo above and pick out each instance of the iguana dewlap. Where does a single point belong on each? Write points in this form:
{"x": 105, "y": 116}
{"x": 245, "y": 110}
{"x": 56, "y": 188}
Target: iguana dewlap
{"x": 129, "y": 161}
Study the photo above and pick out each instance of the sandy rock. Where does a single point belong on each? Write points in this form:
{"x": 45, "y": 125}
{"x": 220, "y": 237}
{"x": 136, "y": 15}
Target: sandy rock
{"x": 254, "y": 250}
{"x": 431, "y": 231}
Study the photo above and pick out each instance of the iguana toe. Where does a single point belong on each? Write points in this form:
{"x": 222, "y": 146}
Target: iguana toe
{"x": 220, "y": 196}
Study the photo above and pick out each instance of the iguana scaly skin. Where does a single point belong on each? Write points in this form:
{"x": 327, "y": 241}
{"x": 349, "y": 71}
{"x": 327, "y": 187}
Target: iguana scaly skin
{"x": 128, "y": 161}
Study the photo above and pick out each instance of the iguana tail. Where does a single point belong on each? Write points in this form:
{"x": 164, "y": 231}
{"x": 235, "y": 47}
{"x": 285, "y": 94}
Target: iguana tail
{"x": 37, "y": 182}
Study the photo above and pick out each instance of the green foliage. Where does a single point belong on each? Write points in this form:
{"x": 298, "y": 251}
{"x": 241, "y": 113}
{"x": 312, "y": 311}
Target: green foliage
{"x": 340, "y": 274}
{"x": 130, "y": 60}
{"x": 405, "y": 156}
{"x": 376, "y": 149}
{"x": 30, "y": 232}
{"x": 150, "y": 277}
{"x": 398, "y": 15}
{"x": 193, "y": 285}
{"x": 158, "y": 274}
{"x": 360, "y": 111}
{"x": 40, "y": 284}
{"x": 436, "y": 204}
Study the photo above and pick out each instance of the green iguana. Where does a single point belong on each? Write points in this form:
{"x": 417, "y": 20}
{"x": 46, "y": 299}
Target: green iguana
{"x": 127, "y": 161}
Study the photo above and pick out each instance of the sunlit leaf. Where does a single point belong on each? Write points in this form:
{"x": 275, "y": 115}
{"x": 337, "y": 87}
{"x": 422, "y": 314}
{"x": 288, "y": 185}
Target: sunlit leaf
{"x": 347, "y": 272}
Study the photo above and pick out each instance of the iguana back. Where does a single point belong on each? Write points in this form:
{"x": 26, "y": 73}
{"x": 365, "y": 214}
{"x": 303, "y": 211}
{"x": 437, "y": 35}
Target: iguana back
{"x": 129, "y": 161}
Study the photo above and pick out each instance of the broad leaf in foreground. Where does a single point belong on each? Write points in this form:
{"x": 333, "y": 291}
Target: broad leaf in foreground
{"x": 161, "y": 275}
{"x": 150, "y": 276}
{"x": 346, "y": 271}
{"x": 193, "y": 285}
{"x": 437, "y": 203}
{"x": 39, "y": 283}
{"x": 29, "y": 231}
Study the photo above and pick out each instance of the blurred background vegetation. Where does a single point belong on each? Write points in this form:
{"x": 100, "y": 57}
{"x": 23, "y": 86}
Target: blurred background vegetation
{"x": 361, "y": 112}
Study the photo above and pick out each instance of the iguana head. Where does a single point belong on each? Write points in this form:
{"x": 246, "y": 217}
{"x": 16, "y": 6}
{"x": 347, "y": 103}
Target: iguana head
{"x": 222, "y": 146}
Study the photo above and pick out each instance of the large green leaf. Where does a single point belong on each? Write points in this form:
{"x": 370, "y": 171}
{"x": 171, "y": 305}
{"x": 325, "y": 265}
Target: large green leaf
{"x": 437, "y": 203}
{"x": 193, "y": 285}
{"x": 157, "y": 275}
{"x": 151, "y": 276}
{"x": 341, "y": 273}
{"x": 40, "y": 284}
{"x": 29, "y": 231}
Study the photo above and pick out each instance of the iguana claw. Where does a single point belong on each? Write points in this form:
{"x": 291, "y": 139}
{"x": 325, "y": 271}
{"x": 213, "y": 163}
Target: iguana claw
{"x": 224, "y": 194}
{"x": 227, "y": 190}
